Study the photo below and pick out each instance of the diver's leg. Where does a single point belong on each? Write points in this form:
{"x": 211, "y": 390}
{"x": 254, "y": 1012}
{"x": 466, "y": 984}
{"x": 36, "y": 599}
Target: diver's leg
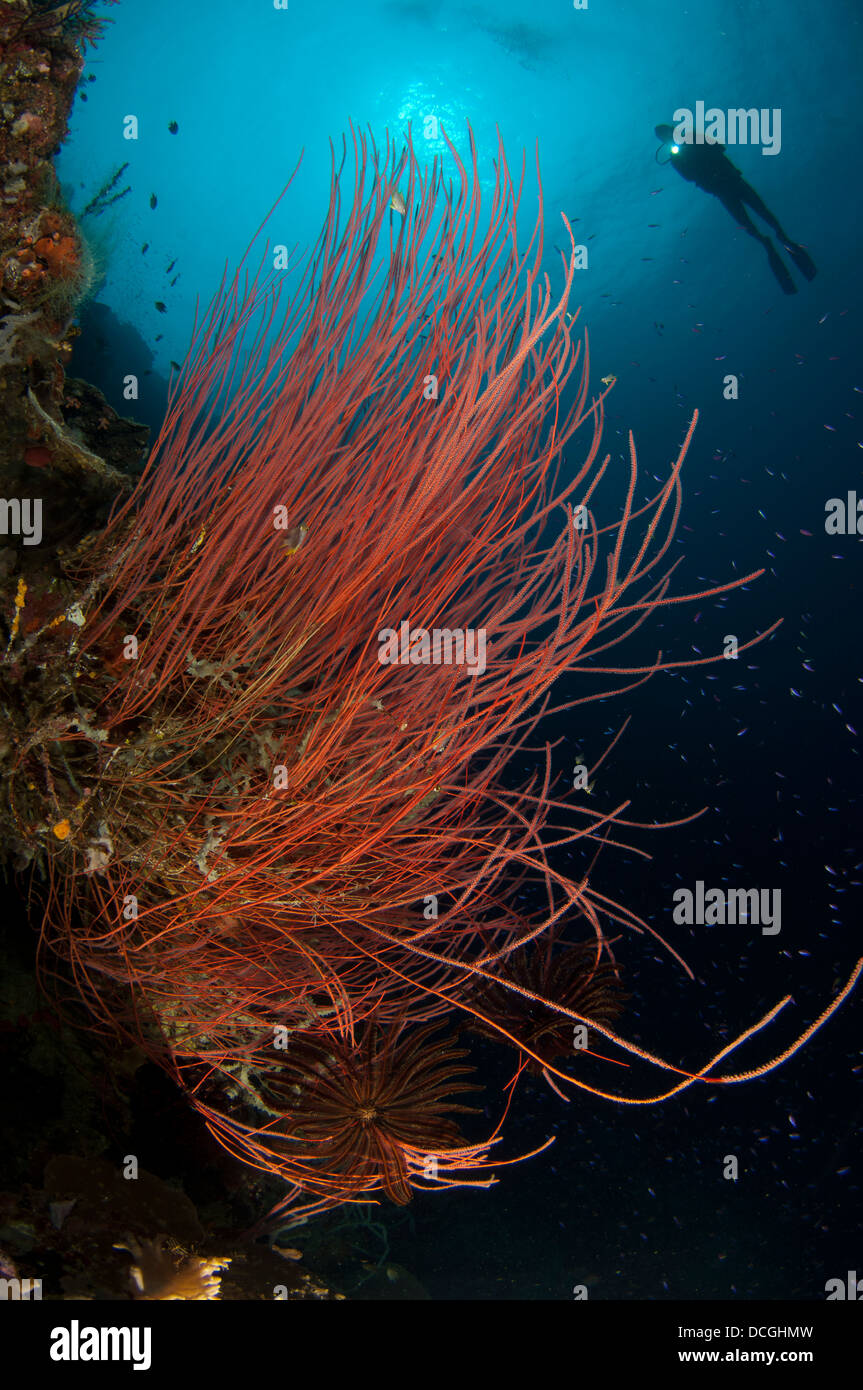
{"x": 734, "y": 205}
{"x": 747, "y": 195}
{"x": 798, "y": 254}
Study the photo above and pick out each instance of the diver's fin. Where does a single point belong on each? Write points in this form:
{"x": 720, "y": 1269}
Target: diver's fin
{"x": 780, "y": 270}
{"x": 801, "y": 259}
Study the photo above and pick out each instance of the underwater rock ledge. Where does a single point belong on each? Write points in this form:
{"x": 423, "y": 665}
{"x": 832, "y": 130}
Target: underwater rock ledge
{"x": 83, "y": 450}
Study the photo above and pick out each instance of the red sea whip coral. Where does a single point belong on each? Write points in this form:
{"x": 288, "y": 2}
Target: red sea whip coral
{"x": 278, "y": 851}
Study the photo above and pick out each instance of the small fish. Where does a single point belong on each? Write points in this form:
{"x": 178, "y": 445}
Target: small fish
{"x": 158, "y": 338}
{"x": 441, "y": 741}
{"x": 169, "y": 268}
{"x": 173, "y": 127}
{"x": 173, "y": 282}
{"x": 295, "y": 538}
{"x": 609, "y": 380}
{"x": 83, "y": 96}
{"x": 145, "y": 248}
{"x": 201, "y": 537}
{"x": 398, "y": 204}
{"x": 176, "y": 365}
{"x": 153, "y": 200}
{"x": 91, "y": 77}
{"x": 163, "y": 308}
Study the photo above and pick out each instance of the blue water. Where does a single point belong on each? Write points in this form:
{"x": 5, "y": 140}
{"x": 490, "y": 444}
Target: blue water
{"x": 675, "y": 297}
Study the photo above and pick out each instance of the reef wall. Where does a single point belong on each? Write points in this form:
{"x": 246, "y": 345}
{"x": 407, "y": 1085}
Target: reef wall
{"x": 56, "y": 437}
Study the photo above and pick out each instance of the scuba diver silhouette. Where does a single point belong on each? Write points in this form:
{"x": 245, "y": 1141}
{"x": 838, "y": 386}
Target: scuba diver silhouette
{"x": 709, "y": 168}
